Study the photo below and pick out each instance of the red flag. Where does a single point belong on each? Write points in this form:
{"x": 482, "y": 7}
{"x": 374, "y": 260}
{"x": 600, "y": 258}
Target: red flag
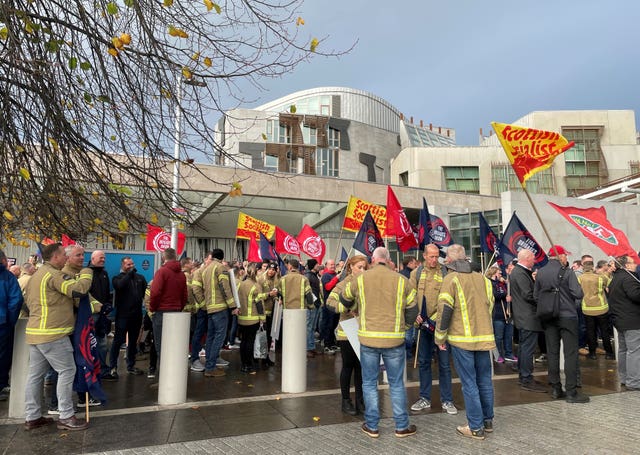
{"x": 311, "y": 243}
{"x": 253, "y": 254}
{"x": 159, "y": 240}
{"x": 398, "y": 224}
{"x": 66, "y": 240}
{"x": 286, "y": 243}
{"x": 595, "y": 226}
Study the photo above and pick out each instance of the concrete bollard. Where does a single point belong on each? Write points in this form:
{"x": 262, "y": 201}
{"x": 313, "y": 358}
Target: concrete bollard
{"x": 19, "y": 369}
{"x": 174, "y": 366}
{"x": 294, "y": 351}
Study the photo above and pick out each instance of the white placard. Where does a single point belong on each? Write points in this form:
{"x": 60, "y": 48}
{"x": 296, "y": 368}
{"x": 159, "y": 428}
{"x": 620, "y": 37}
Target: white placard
{"x": 350, "y": 328}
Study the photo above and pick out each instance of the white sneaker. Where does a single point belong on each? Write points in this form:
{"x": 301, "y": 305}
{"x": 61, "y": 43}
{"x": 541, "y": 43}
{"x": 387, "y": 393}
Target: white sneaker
{"x": 421, "y": 404}
{"x": 221, "y": 362}
{"x": 235, "y": 346}
{"x": 202, "y": 353}
{"x": 196, "y": 365}
{"x": 449, "y": 408}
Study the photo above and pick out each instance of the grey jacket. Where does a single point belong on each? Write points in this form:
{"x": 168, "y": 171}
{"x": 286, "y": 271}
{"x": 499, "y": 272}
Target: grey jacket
{"x": 523, "y": 303}
{"x": 570, "y": 290}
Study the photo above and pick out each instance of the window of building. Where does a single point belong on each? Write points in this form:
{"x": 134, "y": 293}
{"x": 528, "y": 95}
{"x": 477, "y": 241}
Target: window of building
{"x": 465, "y": 230}
{"x": 310, "y": 135}
{"x": 583, "y": 162}
{"x": 504, "y": 179}
{"x": 327, "y": 162}
{"x": 271, "y": 163}
{"x": 404, "y": 178}
{"x": 465, "y": 179}
{"x": 292, "y": 163}
{"x": 634, "y": 167}
{"x": 333, "y": 138}
{"x": 284, "y": 134}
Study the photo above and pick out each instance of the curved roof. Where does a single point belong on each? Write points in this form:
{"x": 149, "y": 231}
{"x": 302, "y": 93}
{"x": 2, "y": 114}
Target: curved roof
{"x": 342, "y": 102}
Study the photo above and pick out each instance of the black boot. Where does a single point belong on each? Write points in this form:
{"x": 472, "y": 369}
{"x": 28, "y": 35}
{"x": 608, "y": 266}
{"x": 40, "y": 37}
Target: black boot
{"x": 360, "y": 405}
{"x": 557, "y": 392}
{"x": 348, "y": 408}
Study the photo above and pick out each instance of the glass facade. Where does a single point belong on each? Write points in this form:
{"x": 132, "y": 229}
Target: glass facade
{"x": 465, "y": 179}
{"x": 504, "y": 179}
{"x": 583, "y": 162}
{"x": 424, "y": 137}
{"x": 465, "y": 230}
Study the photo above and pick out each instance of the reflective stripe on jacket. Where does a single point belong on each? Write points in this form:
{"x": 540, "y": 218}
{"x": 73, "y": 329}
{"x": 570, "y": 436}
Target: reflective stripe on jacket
{"x": 294, "y": 287}
{"x": 248, "y": 314}
{"x": 49, "y": 296}
{"x": 594, "y": 302}
{"x": 212, "y": 287}
{"x": 428, "y": 284}
{"x": 382, "y": 297}
{"x": 470, "y": 327}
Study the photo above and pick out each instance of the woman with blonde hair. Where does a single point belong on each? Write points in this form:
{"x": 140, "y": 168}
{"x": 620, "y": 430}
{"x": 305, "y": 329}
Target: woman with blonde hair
{"x": 350, "y": 363}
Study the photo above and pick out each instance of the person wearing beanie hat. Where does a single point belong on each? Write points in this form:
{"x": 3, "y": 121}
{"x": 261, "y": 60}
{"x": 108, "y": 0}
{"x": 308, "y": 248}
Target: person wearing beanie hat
{"x": 311, "y": 263}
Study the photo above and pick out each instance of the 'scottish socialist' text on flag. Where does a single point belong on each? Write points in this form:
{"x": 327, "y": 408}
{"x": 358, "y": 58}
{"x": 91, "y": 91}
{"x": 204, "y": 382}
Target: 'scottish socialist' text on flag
{"x": 530, "y": 150}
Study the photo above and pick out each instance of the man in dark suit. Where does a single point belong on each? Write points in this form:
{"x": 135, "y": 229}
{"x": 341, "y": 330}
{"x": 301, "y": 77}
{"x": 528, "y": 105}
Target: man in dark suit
{"x": 523, "y": 304}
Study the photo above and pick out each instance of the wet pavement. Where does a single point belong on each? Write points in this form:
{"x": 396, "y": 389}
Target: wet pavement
{"x": 221, "y": 409}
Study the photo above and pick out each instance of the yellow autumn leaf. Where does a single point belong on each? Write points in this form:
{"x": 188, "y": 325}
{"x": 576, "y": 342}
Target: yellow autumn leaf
{"x": 7, "y": 215}
{"x": 208, "y": 4}
{"x": 20, "y": 149}
{"x": 167, "y": 3}
{"x": 97, "y": 221}
{"x": 53, "y": 143}
{"x": 182, "y": 34}
{"x": 117, "y": 42}
{"x": 186, "y": 73}
{"x": 207, "y": 62}
{"x": 173, "y": 31}
{"x": 313, "y": 44}
{"x": 153, "y": 218}
{"x": 195, "y": 56}
{"x": 123, "y": 225}
{"x": 264, "y": 137}
{"x": 113, "y": 52}
{"x": 299, "y": 21}
{"x": 25, "y": 173}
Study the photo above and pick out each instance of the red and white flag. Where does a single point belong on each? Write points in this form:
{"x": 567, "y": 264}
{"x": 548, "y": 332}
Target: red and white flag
{"x": 159, "y": 240}
{"x": 595, "y": 226}
{"x": 311, "y": 243}
{"x": 286, "y": 243}
{"x": 398, "y": 224}
{"x": 253, "y": 255}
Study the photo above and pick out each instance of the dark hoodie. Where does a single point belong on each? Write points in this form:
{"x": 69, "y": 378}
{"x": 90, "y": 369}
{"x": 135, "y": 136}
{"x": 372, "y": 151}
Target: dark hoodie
{"x": 168, "y": 288}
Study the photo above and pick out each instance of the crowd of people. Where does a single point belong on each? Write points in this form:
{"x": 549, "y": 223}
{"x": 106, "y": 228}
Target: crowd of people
{"x": 443, "y": 309}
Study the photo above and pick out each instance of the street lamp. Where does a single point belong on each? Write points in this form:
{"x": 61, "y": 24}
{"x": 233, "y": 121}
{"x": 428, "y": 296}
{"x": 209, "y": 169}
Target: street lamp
{"x": 176, "y": 156}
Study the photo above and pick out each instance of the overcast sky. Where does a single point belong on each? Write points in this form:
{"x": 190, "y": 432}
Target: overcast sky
{"x": 462, "y": 64}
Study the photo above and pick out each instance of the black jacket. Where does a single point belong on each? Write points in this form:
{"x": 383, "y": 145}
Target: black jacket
{"x": 523, "y": 304}
{"x": 100, "y": 287}
{"x": 570, "y": 290}
{"x": 129, "y": 291}
{"x": 624, "y": 301}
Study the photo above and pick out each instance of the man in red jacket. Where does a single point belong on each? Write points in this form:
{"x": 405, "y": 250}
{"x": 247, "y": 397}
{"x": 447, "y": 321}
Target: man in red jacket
{"x": 168, "y": 293}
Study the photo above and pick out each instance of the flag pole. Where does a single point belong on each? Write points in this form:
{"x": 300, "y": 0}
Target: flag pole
{"x": 544, "y": 228}
{"x": 488, "y": 263}
{"x": 415, "y": 357}
{"x": 338, "y": 245}
{"x": 86, "y": 404}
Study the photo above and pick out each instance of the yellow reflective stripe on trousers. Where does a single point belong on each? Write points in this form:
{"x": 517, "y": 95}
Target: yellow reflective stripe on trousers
{"x": 44, "y": 309}
{"x": 470, "y": 339}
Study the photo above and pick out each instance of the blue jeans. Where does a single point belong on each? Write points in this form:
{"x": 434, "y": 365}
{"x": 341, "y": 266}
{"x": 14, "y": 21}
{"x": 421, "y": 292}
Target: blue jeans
{"x": 409, "y": 340}
{"x": 425, "y": 353}
{"x": 201, "y": 328}
{"x": 504, "y": 338}
{"x": 394, "y": 363}
{"x": 312, "y": 320}
{"x": 474, "y": 369}
{"x": 59, "y": 356}
{"x": 216, "y": 333}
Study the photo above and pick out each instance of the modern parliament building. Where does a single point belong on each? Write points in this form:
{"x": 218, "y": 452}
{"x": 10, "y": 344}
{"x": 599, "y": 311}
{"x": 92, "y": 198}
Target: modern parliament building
{"x": 299, "y": 158}
{"x": 340, "y": 141}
